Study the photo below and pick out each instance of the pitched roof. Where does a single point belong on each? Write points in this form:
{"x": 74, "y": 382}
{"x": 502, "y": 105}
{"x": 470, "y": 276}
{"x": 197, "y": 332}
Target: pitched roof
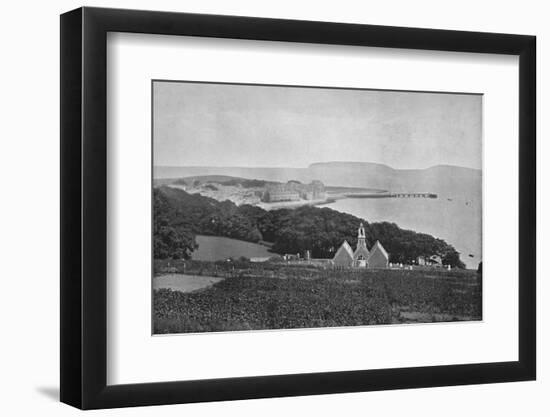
{"x": 346, "y": 247}
{"x": 378, "y": 245}
{"x": 361, "y": 250}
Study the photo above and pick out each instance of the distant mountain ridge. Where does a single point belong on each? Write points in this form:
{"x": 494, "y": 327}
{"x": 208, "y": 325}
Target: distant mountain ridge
{"x": 383, "y": 168}
{"x": 447, "y": 180}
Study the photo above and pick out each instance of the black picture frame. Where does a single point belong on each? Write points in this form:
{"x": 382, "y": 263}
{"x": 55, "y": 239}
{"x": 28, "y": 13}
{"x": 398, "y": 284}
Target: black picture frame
{"x": 84, "y": 207}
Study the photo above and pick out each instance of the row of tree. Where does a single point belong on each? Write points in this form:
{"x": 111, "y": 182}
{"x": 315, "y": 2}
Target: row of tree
{"x": 179, "y": 216}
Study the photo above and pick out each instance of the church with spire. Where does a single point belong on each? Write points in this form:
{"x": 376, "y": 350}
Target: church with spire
{"x": 362, "y": 257}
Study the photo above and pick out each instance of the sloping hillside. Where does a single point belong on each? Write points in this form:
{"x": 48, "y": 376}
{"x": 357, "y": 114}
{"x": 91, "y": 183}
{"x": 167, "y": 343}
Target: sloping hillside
{"x": 215, "y": 248}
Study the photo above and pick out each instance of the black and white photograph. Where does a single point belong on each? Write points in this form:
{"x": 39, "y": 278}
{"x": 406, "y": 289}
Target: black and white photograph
{"x": 286, "y": 207}
{"x": 265, "y": 209}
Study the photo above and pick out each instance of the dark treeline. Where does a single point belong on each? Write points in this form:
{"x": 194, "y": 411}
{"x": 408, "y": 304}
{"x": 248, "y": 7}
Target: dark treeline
{"x": 179, "y": 216}
{"x": 245, "y": 183}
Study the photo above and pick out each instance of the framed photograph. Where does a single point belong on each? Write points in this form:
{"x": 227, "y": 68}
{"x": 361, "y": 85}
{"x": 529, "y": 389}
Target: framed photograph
{"x": 256, "y": 208}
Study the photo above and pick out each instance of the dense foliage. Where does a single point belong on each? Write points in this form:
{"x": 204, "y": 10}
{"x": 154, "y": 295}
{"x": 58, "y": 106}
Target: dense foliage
{"x": 245, "y": 183}
{"x": 171, "y": 238}
{"x": 321, "y": 230}
{"x": 253, "y": 300}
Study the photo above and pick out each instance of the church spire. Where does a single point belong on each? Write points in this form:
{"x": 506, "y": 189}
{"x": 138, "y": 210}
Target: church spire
{"x": 361, "y": 239}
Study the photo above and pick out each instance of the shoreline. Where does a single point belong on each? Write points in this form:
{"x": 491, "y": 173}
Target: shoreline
{"x": 342, "y": 196}
{"x": 296, "y": 204}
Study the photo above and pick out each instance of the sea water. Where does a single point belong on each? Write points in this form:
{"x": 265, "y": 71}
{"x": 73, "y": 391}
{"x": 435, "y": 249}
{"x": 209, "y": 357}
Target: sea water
{"x": 457, "y": 220}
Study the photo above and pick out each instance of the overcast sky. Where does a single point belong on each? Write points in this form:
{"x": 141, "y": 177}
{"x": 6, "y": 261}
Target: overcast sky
{"x": 259, "y": 126}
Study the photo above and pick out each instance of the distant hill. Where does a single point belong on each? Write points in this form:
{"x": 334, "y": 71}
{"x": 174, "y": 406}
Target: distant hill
{"x": 445, "y": 180}
{"x": 441, "y": 179}
{"x": 267, "y": 174}
{"x": 202, "y": 179}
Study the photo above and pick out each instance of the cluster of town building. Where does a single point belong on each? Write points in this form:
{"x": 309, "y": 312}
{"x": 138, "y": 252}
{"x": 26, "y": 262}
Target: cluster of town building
{"x": 294, "y": 191}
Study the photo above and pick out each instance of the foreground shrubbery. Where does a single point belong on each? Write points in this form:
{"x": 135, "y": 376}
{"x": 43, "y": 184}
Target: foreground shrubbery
{"x": 264, "y": 303}
{"x": 328, "y": 298}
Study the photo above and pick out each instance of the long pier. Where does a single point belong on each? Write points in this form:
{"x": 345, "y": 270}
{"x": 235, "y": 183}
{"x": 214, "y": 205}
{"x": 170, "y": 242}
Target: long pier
{"x": 391, "y": 195}
{"x": 413, "y": 195}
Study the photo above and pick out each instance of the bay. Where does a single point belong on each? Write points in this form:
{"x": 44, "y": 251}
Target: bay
{"x": 456, "y": 220}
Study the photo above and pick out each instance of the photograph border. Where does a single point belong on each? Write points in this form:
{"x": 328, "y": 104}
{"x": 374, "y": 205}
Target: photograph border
{"x": 83, "y": 216}
{"x": 163, "y": 80}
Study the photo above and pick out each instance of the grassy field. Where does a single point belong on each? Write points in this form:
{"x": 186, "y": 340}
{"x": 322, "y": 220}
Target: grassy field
{"x": 276, "y": 296}
{"x": 213, "y": 248}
